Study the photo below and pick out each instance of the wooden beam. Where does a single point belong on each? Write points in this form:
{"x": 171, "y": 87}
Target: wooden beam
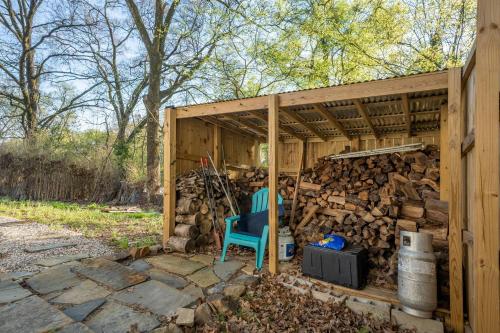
{"x": 468, "y": 143}
{"x": 364, "y": 113}
{"x": 247, "y": 124}
{"x": 217, "y": 146}
{"x": 273, "y": 182}
{"x": 444, "y": 154}
{"x": 295, "y": 116}
{"x": 284, "y": 128}
{"x": 332, "y": 120}
{"x": 230, "y": 128}
{"x": 394, "y": 86}
{"x": 486, "y": 307}
{"x": 469, "y": 65}
{"x": 456, "y": 180}
{"x": 407, "y": 112}
{"x": 169, "y": 161}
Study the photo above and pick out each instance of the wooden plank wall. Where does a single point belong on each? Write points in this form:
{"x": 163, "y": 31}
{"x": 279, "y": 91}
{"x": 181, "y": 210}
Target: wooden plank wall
{"x": 290, "y": 149}
{"x": 195, "y": 137}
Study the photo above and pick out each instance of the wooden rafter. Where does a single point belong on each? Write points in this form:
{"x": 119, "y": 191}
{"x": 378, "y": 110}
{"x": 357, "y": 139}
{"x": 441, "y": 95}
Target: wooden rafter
{"x": 295, "y": 116}
{"x": 406, "y": 109}
{"x": 284, "y": 128}
{"x": 247, "y": 124}
{"x": 386, "y": 87}
{"x": 364, "y": 113}
{"x": 230, "y": 128}
{"x": 332, "y": 120}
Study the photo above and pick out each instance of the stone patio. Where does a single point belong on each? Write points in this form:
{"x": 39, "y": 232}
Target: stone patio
{"x": 73, "y": 294}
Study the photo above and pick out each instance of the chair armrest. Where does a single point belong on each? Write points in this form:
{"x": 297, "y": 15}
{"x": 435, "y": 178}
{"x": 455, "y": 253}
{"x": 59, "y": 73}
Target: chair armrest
{"x": 232, "y": 219}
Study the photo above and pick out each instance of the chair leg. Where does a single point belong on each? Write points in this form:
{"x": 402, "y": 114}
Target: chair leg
{"x": 224, "y": 250}
{"x": 257, "y": 257}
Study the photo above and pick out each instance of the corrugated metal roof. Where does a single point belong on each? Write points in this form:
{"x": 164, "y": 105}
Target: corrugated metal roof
{"x": 307, "y": 89}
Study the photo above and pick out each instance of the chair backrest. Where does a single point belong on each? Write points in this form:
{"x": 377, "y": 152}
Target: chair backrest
{"x": 260, "y": 200}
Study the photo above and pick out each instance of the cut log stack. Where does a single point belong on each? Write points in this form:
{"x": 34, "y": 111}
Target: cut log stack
{"x": 368, "y": 200}
{"x": 193, "y": 222}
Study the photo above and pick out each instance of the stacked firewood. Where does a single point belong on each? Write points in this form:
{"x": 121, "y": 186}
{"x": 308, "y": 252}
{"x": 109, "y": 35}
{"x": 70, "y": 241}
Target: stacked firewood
{"x": 368, "y": 200}
{"x": 193, "y": 222}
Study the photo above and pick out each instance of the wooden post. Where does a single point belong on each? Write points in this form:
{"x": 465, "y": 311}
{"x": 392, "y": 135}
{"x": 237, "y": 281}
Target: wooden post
{"x": 486, "y": 246}
{"x": 456, "y": 179}
{"x": 256, "y": 153}
{"x": 273, "y": 130}
{"x": 169, "y": 160}
{"x": 444, "y": 158}
{"x": 217, "y": 146}
{"x": 356, "y": 143}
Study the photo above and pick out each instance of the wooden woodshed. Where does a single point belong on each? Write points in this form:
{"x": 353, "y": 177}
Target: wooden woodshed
{"x": 457, "y": 109}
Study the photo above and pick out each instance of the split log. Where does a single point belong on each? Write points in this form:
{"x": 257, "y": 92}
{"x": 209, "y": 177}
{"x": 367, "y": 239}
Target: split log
{"x": 186, "y": 230}
{"x": 193, "y": 219}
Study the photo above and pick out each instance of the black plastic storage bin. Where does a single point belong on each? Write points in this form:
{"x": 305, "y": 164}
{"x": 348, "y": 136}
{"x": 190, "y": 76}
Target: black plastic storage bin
{"x": 347, "y": 267}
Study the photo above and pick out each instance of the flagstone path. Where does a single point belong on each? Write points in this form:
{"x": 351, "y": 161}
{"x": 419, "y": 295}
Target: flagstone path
{"x": 73, "y": 294}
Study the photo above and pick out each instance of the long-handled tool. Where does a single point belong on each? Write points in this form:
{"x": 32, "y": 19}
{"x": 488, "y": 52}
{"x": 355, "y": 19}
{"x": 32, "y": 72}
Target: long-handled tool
{"x": 233, "y": 211}
{"x": 231, "y": 194}
{"x": 211, "y": 202}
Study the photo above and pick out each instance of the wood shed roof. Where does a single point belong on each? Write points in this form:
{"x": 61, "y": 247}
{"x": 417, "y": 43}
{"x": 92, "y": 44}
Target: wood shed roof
{"x": 408, "y": 104}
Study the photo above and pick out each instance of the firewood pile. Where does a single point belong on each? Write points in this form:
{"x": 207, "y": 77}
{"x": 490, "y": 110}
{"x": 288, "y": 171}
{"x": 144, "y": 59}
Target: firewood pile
{"x": 193, "y": 222}
{"x": 369, "y": 200}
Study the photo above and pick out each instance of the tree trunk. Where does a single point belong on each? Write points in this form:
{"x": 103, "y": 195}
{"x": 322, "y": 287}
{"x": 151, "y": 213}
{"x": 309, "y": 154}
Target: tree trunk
{"x": 152, "y": 103}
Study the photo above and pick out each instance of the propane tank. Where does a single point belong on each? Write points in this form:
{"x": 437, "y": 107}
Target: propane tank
{"x": 286, "y": 244}
{"x": 417, "y": 285}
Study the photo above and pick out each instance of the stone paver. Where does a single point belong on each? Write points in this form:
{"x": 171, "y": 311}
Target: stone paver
{"x": 379, "y": 310}
{"x": 185, "y": 317}
{"x": 53, "y": 261}
{"x": 156, "y": 297}
{"x": 420, "y": 325}
{"x": 247, "y": 280}
{"x": 13, "y": 276}
{"x": 31, "y": 314}
{"x": 225, "y": 270}
{"x": 167, "y": 278}
{"x": 217, "y": 289}
{"x": 75, "y": 328}
{"x": 81, "y": 311}
{"x": 205, "y": 259}
{"x": 194, "y": 291}
{"x": 86, "y": 291}
{"x": 139, "y": 265}
{"x": 204, "y": 277}
{"x": 55, "y": 278}
{"x": 110, "y": 273}
{"x": 50, "y": 246}
{"x": 175, "y": 264}
{"x": 11, "y": 291}
{"x": 117, "y": 318}
{"x": 235, "y": 290}
{"x": 249, "y": 269}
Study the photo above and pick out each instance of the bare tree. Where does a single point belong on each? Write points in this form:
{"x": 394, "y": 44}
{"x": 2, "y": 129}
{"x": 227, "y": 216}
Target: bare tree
{"x": 178, "y": 39}
{"x": 31, "y": 58}
{"x": 109, "y": 44}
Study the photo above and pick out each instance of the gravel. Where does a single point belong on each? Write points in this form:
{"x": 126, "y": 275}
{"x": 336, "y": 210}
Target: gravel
{"x": 16, "y": 237}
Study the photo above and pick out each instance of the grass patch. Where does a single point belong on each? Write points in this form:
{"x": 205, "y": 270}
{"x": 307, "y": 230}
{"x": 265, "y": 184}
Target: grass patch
{"x": 120, "y": 229}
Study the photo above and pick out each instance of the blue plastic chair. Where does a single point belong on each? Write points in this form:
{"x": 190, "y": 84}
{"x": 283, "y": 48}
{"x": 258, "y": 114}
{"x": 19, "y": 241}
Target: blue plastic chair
{"x": 260, "y": 202}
